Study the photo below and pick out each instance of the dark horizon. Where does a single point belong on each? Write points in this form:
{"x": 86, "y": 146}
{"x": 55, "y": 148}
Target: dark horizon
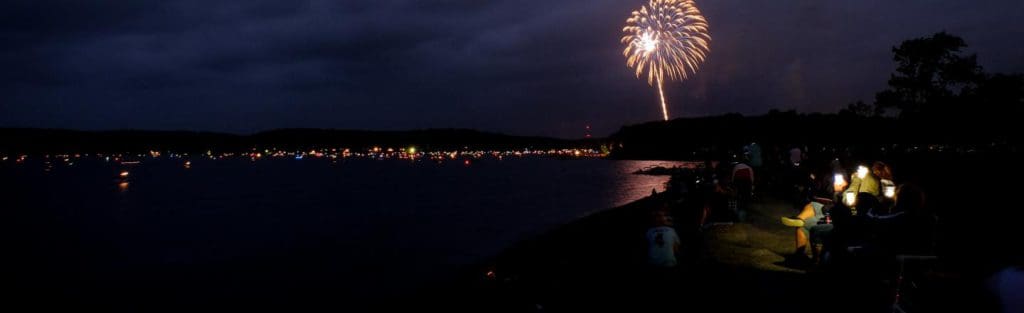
{"x": 581, "y": 135}
{"x": 537, "y": 68}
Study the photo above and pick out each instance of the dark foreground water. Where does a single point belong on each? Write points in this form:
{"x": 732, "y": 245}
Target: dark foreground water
{"x": 283, "y": 231}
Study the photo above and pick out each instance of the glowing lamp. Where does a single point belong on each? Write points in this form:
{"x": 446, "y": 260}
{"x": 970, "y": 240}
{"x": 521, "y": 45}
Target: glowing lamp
{"x": 888, "y": 189}
{"x": 850, "y": 199}
{"x": 124, "y": 174}
{"x": 862, "y": 171}
{"x": 838, "y": 182}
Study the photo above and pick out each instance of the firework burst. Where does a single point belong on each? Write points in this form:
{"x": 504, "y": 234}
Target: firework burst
{"x": 666, "y": 39}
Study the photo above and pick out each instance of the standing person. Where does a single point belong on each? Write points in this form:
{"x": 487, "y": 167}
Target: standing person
{"x": 795, "y": 177}
{"x": 743, "y": 182}
{"x": 796, "y": 156}
{"x": 754, "y": 154}
{"x": 662, "y": 241}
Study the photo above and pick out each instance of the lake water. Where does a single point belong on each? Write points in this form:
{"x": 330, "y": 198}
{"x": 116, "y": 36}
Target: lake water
{"x": 235, "y": 229}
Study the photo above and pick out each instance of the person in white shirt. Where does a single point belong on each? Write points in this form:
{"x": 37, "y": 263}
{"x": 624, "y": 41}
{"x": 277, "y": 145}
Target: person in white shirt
{"x": 662, "y": 241}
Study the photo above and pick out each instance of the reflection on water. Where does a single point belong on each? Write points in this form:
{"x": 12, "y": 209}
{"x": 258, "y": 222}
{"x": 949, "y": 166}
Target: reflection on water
{"x": 633, "y": 187}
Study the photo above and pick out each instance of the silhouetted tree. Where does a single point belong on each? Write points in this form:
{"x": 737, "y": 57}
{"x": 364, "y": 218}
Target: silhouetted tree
{"x": 931, "y": 76}
{"x": 860, "y": 109}
{"x": 997, "y": 104}
{"x": 1001, "y": 94}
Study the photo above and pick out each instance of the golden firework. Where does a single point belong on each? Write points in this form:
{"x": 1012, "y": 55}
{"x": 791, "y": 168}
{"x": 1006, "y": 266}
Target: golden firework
{"x": 666, "y": 38}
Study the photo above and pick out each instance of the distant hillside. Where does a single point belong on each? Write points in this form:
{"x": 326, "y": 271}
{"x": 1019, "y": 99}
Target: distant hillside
{"x": 428, "y": 139}
{"x": 26, "y": 140}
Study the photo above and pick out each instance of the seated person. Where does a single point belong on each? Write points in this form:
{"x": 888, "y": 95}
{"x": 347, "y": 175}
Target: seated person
{"x": 864, "y": 181}
{"x": 846, "y": 232}
{"x": 811, "y": 226}
{"x": 902, "y": 228}
{"x": 1006, "y": 285}
{"x": 662, "y": 241}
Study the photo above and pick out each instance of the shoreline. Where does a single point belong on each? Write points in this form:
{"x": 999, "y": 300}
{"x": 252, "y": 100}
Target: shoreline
{"x": 542, "y": 264}
{"x": 598, "y": 263}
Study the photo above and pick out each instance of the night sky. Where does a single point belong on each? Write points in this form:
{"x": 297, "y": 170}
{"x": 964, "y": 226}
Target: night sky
{"x": 523, "y": 67}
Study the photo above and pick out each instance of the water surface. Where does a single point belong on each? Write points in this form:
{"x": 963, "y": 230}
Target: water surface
{"x": 236, "y": 229}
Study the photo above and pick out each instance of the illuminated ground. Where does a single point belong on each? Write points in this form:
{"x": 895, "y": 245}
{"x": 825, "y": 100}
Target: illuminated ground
{"x": 598, "y": 264}
{"x": 761, "y": 243}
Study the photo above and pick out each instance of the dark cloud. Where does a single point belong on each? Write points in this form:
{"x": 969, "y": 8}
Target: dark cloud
{"x": 528, "y": 67}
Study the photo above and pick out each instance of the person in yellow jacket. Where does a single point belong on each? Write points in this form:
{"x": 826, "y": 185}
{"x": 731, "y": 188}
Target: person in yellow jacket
{"x": 863, "y": 181}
